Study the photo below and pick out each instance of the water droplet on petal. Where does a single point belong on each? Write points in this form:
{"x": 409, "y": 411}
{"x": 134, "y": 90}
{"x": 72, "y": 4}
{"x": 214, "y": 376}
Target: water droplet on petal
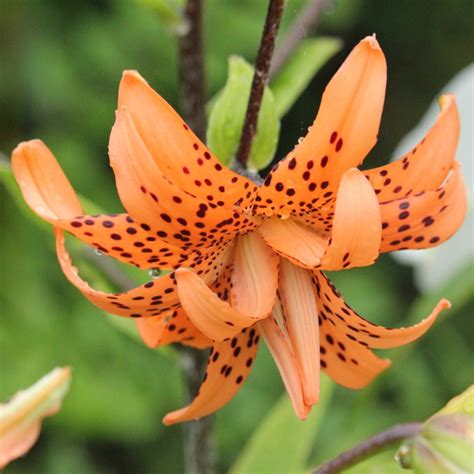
{"x": 154, "y": 272}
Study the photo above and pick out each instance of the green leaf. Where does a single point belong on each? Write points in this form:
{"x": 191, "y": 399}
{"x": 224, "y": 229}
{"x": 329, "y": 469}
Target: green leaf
{"x": 227, "y": 118}
{"x": 308, "y": 58}
{"x": 282, "y": 442}
{"x": 169, "y": 12}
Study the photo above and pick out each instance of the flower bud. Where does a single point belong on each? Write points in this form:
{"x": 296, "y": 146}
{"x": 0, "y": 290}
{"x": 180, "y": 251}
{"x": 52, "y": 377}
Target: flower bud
{"x": 446, "y": 443}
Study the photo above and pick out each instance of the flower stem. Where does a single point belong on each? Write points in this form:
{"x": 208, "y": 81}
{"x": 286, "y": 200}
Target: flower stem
{"x": 191, "y": 69}
{"x": 260, "y": 78}
{"x": 199, "y": 450}
{"x": 301, "y": 27}
{"x": 374, "y": 445}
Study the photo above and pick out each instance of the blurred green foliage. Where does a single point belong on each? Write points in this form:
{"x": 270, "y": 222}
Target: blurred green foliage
{"x": 60, "y": 66}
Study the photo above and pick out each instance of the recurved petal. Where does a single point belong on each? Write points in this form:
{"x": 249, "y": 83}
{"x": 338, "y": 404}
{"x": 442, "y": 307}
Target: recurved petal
{"x": 426, "y": 166}
{"x": 356, "y": 229}
{"x": 155, "y": 298}
{"x": 298, "y": 299}
{"x": 182, "y": 219}
{"x": 213, "y": 316}
{"x": 344, "y": 131}
{"x": 296, "y": 242}
{"x": 279, "y": 345}
{"x": 348, "y": 363}
{"x": 181, "y": 156}
{"x": 228, "y": 367}
{"x": 160, "y": 331}
{"x": 43, "y": 183}
{"x": 335, "y": 313}
{"x": 425, "y": 219}
{"x": 48, "y": 192}
{"x": 254, "y": 275}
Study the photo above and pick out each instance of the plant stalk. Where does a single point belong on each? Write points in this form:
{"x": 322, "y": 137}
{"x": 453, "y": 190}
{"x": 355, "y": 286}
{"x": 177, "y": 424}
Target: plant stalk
{"x": 191, "y": 69}
{"x": 199, "y": 452}
{"x": 260, "y": 79}
{"x": 374, "y": 445}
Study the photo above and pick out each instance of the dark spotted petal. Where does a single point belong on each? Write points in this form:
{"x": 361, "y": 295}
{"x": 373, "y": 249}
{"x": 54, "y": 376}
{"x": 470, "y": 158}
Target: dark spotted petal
{"x": 180, "y": 218}
{"x": 426, "y": 166}
{"x": 159, "y": 331}
{"x": 425, "y": 219}
{"x": 119, "y": 236}
{"x": 181, "y": 156}
{"x": 154, "y": 298}
{"x": 228, "y": 366}
{"x": 343, "y": 133}
{"x": 346, "y": 337}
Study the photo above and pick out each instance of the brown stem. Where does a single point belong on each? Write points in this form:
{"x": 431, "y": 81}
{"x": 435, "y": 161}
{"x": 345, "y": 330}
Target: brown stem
{"x": 367, "y": 448}
{"x": 260, "y": 78}
{"x": 191, "y": 69}
{"x": 304, "y": 23}
{"x": 199, "y": 451}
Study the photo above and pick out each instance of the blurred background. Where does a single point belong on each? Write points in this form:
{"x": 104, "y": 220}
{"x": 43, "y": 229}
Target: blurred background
{"x": 60, "y": 64}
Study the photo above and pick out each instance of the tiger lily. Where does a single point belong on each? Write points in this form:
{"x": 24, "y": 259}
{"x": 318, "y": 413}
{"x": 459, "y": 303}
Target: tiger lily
{"x": 245, "y": 260}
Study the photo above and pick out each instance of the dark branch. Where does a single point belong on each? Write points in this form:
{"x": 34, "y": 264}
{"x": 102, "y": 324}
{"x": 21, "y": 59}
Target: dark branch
{"x": 199, "y": 449}
{"x": 260, "y": 78}
{"x": 302, "y": 26}
{"x": 191, "y": 69}
{"x": 199, "y": 452}
{"x": 373, "y": 445}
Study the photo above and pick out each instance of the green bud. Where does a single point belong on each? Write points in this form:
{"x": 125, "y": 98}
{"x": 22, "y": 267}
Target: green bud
{"x": 446, "y": 442}
{"x": 227, "y": 116}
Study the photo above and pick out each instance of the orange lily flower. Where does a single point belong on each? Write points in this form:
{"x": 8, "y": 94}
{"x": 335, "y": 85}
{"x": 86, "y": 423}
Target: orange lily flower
{"x": 246, "y": 260}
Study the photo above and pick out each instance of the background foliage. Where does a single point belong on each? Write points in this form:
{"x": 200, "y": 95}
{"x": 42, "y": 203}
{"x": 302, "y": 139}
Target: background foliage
{"x": 60, "y": 64}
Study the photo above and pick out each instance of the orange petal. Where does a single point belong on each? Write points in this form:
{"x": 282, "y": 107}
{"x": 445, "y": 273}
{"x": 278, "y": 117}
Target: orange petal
{"x": 426, "y": 166}
{"x": 228, "y": 367}
{"x": 294, "y": 241}
{"x": 254, "y": 276}
{"x": 154, "y": 298}
{"x": 49, "y": 193}
{"x": 181, "y": 156}
{"x": 356, "y": 233}
{"x": 181, "y": 219}
{"x": 344, "y": 131}
{"x": 160, "y": 331}
{"x": 43, "y": 183}
{"x": 214, "y": 317}
{"x": 124, "y": 239}
{"x": 425, "y": 219}
{"x": 279, "y": 345}
{"x": 348, "y": 363}
{"x": 340, "y": 315}
{"x": 299, "y": 306}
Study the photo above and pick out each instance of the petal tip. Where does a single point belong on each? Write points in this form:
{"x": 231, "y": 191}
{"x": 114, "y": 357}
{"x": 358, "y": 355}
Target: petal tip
{"x": 131, "y": 74}
{"x": 372, "y": 42}
{"x": 444, "y": 304}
